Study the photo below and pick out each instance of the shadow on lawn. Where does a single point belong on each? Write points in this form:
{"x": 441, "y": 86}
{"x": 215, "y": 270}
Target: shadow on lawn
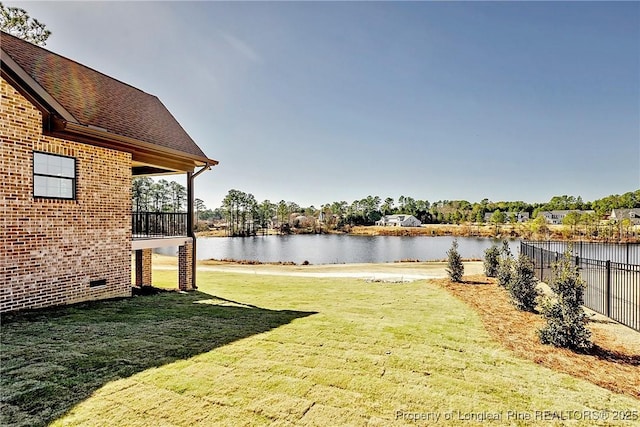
{"x": 50, "y": 360}
{"x": 615, "y": 356}
{"x": 475, "y": 282}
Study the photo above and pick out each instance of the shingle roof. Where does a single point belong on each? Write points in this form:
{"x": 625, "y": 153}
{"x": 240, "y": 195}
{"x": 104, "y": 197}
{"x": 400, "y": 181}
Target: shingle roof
{"x": 98, "y": 100}
{"x": 626, "y": 213}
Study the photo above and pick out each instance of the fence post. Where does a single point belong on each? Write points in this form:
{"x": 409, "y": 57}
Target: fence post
{"x": 627, "y": 253}
{"x": 607, "y": 289}
{"x": 541, "y": 265}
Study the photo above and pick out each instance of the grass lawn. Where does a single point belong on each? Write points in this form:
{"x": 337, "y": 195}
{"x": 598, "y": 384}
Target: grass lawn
{"x": 276, "y": 350}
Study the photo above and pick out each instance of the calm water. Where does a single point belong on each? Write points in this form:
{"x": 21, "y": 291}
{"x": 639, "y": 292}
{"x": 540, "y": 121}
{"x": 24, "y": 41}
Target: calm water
{"x": 335, "y": 249}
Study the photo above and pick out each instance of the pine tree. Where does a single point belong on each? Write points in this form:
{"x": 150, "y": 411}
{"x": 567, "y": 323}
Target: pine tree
{"x": 17, "y": 22}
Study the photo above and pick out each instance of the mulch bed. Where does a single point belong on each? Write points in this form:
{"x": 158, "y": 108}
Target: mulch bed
{"x": 610, "y": 364}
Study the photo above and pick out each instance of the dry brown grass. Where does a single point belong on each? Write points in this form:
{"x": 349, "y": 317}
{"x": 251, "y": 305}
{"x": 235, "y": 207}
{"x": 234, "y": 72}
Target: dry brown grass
{"x": 614, "y": 362}
{"x": 504, "y": 231}
{"x": 252, "y": 262}
{"x": 438, "y": 230}
{"x": 212, "y": 233}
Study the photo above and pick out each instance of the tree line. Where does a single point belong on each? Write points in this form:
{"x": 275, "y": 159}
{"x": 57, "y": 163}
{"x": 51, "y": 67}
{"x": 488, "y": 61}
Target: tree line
{"x": 245, "y": 215}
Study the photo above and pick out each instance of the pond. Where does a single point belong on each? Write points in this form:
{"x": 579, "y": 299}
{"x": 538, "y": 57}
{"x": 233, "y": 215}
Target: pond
{"x": 338, "y": 248}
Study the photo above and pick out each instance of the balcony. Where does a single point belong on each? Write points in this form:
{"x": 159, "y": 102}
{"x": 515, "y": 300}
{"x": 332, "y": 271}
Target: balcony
{"x": 152, "y": 230}
{"x": 157, "y": 225}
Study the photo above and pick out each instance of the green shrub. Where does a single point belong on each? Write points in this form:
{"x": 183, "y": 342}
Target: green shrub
{"x": 454, "y": 263}
{"x": 491, "y": 261}
{"x": 505, "y": 267}
{"x": 566, "y": 320}
{"x": 201, "y": 226}
{"x": 523, "y": 285}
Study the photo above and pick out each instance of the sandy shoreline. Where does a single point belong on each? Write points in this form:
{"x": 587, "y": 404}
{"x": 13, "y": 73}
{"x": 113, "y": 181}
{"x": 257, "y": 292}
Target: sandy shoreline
{"x": 396, "y": 271}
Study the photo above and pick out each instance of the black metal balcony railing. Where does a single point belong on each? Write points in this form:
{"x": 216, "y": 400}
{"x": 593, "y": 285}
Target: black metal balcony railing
{"x": 158, "y": 224}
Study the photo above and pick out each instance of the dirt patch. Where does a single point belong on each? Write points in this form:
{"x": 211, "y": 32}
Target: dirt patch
{"x": 614, "y": 362}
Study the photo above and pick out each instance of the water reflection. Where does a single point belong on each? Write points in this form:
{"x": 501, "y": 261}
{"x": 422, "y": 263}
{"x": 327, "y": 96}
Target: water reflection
{"x": 335, "y": 249}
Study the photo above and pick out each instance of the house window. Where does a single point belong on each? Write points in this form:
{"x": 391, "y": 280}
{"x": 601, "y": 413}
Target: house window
{"x": 54, "y": 176}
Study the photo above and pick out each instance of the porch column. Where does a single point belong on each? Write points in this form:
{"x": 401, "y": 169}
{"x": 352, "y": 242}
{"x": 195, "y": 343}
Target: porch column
{"x": 185, "y": 267}
{"x": 143, "y": 267}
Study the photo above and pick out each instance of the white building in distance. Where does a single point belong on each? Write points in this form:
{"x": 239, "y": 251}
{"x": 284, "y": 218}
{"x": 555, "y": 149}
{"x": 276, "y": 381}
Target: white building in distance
{"x": 399, "y": 220}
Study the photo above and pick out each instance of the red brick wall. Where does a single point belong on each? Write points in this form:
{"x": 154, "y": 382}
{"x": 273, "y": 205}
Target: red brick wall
{"x": 144, "y": 265}
{"x": 51, "y": 249}
{"x": 185, "y": 264}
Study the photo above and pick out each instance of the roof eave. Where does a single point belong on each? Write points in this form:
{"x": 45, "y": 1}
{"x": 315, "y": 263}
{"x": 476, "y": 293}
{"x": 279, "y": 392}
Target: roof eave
{"x": 140, "y": 150}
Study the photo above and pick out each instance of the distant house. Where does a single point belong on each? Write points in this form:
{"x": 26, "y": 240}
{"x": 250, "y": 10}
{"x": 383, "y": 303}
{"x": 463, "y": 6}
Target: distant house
{"x": 556, "y": 217}
{"x": 520, "y": 216}
{"x": 632, "y": 214}
{"x": 399, "y": 221}
{"x": 72, "y": 139}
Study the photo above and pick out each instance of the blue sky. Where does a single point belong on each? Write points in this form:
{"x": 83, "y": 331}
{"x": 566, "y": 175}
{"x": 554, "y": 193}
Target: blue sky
{"x": 317, "y": 102}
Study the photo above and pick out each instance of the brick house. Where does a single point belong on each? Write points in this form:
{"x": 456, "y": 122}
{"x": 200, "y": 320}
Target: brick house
{"x": 71, "y": 140}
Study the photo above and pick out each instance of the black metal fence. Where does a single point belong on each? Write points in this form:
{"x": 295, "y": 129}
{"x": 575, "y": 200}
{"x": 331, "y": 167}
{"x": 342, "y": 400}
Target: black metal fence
{"x": 613, "y": 287}
{"x": 625, "y": 253}
{"x": 158, "y": 224}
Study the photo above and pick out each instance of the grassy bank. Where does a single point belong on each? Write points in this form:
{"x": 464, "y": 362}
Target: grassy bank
{"x": 504, "y": 231}
{"x": 426, "y": 230}
{"x": 260, "y": 350}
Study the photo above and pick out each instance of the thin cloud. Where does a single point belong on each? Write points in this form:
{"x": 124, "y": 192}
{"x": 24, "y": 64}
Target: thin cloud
{"x": 243, "y": 48}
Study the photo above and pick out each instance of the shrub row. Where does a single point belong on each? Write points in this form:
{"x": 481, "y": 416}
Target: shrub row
{"x": 566, "y": 320}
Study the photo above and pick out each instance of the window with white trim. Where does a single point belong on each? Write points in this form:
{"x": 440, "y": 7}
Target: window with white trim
{"x": 54, "y": 176}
